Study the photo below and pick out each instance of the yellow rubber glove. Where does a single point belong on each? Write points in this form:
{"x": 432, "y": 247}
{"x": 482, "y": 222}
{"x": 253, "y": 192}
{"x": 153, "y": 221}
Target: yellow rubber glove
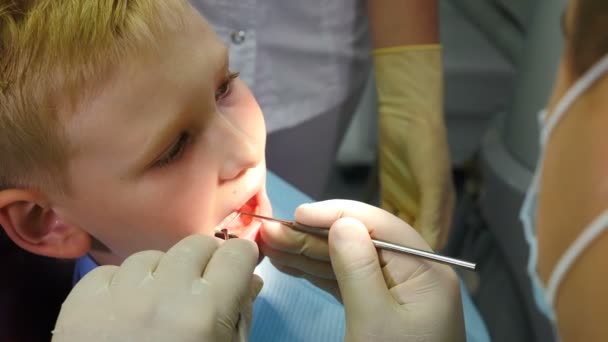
{"x": 414, "y": 163}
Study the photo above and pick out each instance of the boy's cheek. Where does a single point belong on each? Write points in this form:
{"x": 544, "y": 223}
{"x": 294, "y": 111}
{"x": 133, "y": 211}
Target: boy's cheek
{"x": 152, "y": 232}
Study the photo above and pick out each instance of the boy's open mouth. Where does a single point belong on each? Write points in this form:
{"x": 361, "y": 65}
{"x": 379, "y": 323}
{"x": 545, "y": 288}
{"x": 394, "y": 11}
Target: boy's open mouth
{"x": 243, "y": 227}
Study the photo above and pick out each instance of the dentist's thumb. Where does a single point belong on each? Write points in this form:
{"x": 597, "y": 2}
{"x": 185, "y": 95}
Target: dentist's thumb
{"x": 355, "y": 262}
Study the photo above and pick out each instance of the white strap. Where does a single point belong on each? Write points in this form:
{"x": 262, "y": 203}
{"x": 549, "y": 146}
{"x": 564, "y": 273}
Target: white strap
{"x": 589, "y": 78}
{"x": 597, "y": 227}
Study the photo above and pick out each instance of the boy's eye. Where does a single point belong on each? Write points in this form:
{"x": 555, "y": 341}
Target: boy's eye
{"x": 175, "y": 151}
{"x": 225, "y": 87}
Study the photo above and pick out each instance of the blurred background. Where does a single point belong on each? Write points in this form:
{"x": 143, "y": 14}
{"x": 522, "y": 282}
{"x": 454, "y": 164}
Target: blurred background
{"x": 499, "y": 60}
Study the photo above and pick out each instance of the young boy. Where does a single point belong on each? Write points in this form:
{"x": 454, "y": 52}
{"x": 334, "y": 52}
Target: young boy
{"x": 122, "y": 129}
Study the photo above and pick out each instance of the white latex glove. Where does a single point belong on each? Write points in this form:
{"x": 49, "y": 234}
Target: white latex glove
{"x": 194, "y": 292}
{"x": 387, "y": 296}
{"x": 299, "y": 254}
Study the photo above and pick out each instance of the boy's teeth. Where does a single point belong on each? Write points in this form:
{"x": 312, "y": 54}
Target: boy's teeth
{"x": 226, "y": 220}
{"x": 243, "y": 221}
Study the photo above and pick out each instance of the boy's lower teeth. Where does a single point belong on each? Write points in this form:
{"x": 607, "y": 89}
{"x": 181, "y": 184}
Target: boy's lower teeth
{"x": 237, "y": 226}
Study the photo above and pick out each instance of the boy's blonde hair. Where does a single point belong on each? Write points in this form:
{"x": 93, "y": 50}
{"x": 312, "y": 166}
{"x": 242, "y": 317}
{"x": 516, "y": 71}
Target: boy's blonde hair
{"x": 52, "y": 52}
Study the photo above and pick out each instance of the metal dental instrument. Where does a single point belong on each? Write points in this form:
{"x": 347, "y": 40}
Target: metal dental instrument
{"x": 323, "y": 232}
{"x": 241, "y": 325}
{"x": 223, "y": 232}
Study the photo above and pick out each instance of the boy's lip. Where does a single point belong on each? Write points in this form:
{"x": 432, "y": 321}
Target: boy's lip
{"x": 247, "y": 227}
{"x": 255, "y": 195}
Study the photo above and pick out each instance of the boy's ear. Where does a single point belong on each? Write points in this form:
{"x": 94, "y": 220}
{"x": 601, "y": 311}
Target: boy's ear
{"x": 34, "y": 226}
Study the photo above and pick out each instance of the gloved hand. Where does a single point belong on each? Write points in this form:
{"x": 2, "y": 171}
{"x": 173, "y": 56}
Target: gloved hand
{"x": 387, "y": 296}
{"x": 194, "y": 292}
{"x": 414, "y": 163}
{"x": 308, "y": 256}
{"x": 299, "y": 254}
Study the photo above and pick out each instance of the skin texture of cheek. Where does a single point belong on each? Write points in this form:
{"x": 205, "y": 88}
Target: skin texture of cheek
{"x": 130, "y": 215}
{"x": 128, "y": 218}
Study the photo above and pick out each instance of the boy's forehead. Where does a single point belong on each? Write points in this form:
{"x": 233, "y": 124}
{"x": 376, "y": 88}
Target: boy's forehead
{"x": 151, "y": 85}
{"x": 193, "y": 54}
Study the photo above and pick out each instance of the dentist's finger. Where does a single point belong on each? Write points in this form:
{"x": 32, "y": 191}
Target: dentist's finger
{"x": 357, "y": 267}
{"x": 380, "y": 224}
{"x": 230, "y": 276}
{"x": 186, "y": 260}
{"x": 96, "y": 282}
{"x": 136, "y": 268}
{"x": 317, "y": 268}
{"x": 284, "y": 239}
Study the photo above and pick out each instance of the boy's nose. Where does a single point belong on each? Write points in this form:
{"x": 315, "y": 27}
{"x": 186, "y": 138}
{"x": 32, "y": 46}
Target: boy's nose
{"x": 238, "y": 151}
